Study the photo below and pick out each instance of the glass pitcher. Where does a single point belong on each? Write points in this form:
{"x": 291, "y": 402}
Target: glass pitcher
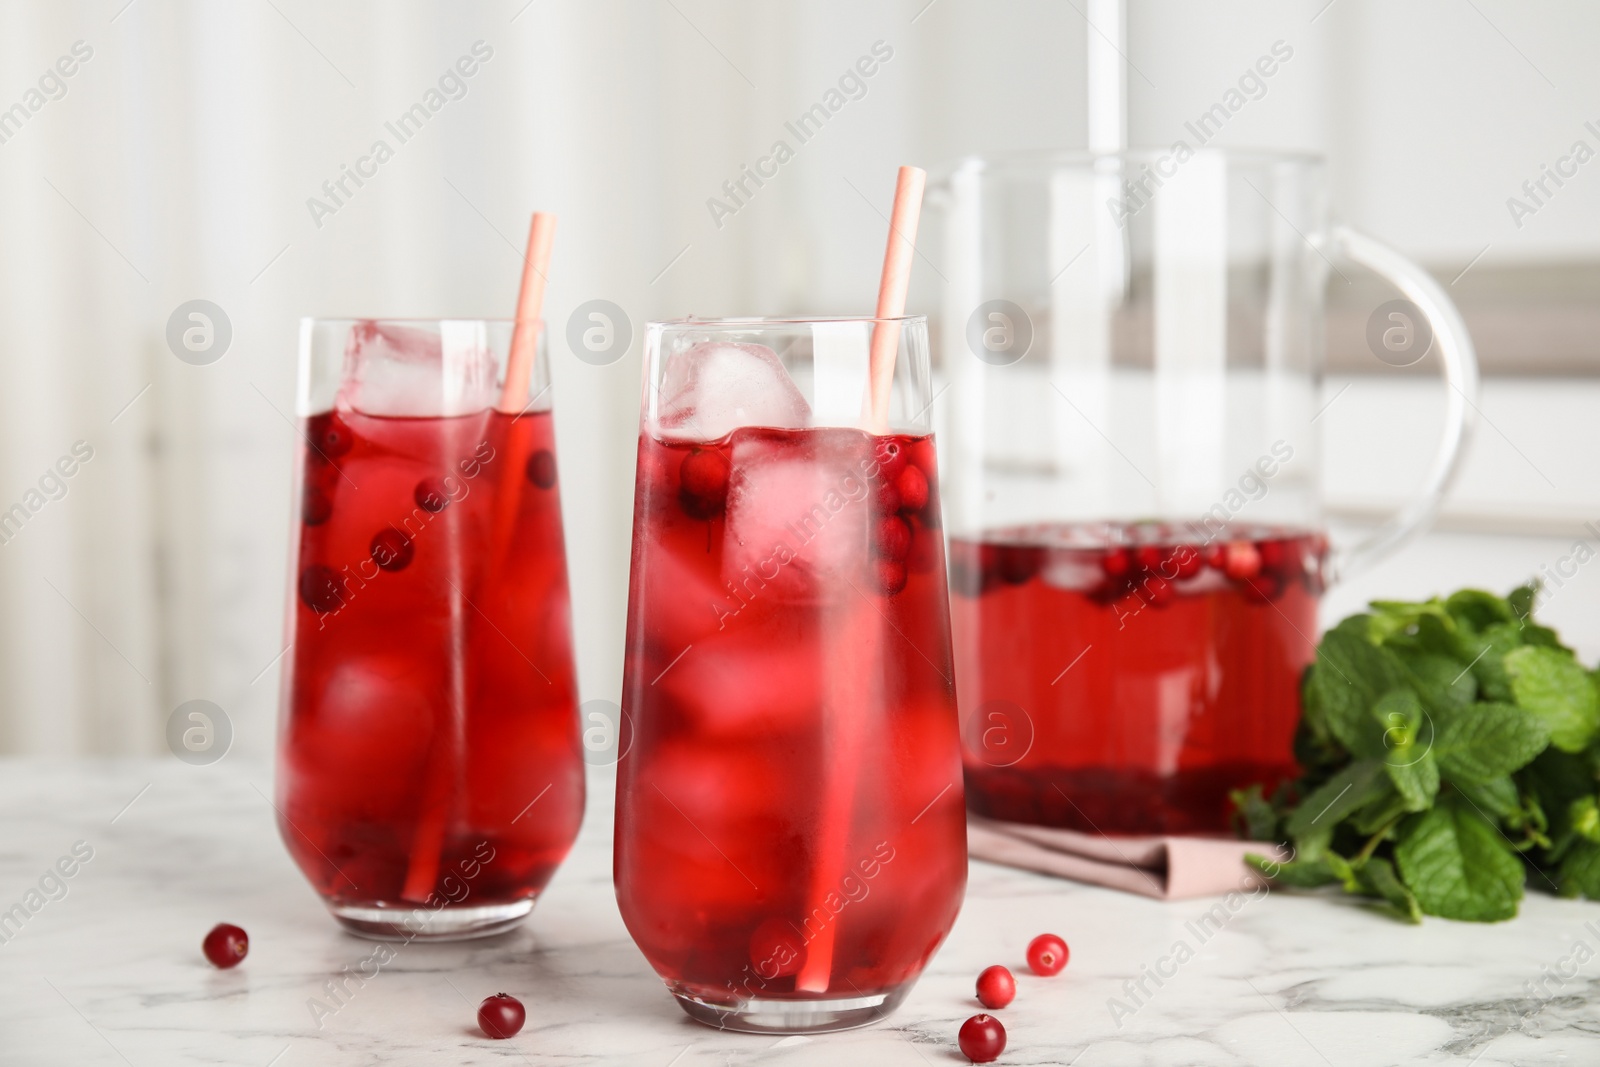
{"x": 1133, "y": 346}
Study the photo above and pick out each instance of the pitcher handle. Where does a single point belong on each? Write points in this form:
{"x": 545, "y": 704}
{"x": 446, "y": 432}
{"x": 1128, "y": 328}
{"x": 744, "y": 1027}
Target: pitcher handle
{"x": 1461, "y": 397}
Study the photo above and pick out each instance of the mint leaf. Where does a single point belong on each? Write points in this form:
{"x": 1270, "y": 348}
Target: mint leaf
{"x": 1441, "y": 681}
{"x": 1346, "y": 681}
{"x": 1378, "y": 878}
{"x": 1483, "y": 742}
{"x": 1497, "y": 796}
{"x": 1301, "y": 874}
{"x": 1479, "y": 610}
{"x": 1358, "y": 625}
{"x": 1417, "y": 782}
{"x": 1520, "y": 600}
{"x": 1437, "y": 634}
{"x": 1459, "y": 866}
{"x": 1407, "y": 761}
{"x": 1486, "y": 653}
{"x": 1311, "y": 825}
{"x": 1553, "y": 687}
{"x": 1580, "y": 871}
{"x": 1254, "y": 814}
{"x": 1379, "y": 814}
{"x": 1395, "y": 620}
{"x": 1540, "y": 635}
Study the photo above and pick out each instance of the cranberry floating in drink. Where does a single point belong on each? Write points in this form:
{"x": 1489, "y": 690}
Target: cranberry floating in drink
{"x": 1137, "y": 542}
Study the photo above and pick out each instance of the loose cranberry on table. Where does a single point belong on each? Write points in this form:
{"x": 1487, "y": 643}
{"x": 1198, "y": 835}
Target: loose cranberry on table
{"x": 982, "y": 1038}
{"x": 996, "y": 987}
{"x": 226, "y": 945}
{"x": 1047, "y": 954}
{"x": 501, "y": 1016}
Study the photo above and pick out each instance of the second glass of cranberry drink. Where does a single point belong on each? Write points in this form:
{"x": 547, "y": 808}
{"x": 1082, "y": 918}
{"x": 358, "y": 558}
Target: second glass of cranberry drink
{"x": 791, "y": 839}
{"x": 1134, "y": 500}
{"x": 430, "y": 771}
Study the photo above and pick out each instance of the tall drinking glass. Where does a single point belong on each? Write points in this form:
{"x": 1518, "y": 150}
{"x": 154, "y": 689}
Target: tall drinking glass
{"x": 430, "y": 774}
{"x": 791, "y": 838}
{"x": 1134, "y": 347}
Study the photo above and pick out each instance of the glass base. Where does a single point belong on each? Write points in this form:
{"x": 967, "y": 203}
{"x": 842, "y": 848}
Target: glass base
{"x": 771, "y": 1016}
{"x": 412, "y": 922}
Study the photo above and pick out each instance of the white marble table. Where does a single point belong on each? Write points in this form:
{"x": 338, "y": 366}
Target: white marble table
{"x": 112, "y": 972}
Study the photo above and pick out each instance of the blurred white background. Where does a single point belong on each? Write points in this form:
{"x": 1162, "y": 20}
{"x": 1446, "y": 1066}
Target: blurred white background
{"x": 177, "y": 160}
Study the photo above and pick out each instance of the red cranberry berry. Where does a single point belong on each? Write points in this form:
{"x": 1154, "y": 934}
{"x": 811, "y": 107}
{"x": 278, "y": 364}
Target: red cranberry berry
{"x": 1018, "y": 563}
{"x": 1274, "y": 554}
{"x": 982, "y": 1039}
{"x": 1148, "y": 556}
{"x": 1241, "y": 560}
{"x": 891, "y": 575}
{"x": 894, "y": 538}
{"x": 1047, "y": 954}
{"x": 320, "y": 589}
{"x": 315, "y": 506}
{"x": 892, "y": 458}
{"x": 329, "y": 436}
{"x": 996, "y": 987}
{"x": 885, "y": 499}
{"x": 703, "y": 479}
{"x": 1264, "y": 587}
{"x": 1185, "y": 561}
{"x": 541, "y": 468}
{"x": 913, "y": 486}
{"x": 1116, "y": 562}
{"x": 501, "y": 1016}
{"x": 226, "y": 945}
{"x": 1156, "y": 590}
{"x": 391, "y": 549}
{"x": 431, "y": 495}
{"x": 1214, "y": 556}
{"x": 776, "y": 951}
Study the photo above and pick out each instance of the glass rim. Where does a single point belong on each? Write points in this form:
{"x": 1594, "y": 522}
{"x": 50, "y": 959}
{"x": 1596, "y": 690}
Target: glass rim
{"x": 747, "y": 322}
{"x": 1023, "y": 160}
{"x": 349, "y": 320}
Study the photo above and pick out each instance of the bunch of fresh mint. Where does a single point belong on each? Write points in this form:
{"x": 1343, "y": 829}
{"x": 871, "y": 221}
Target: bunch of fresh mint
{"x": 1450, "y": 754}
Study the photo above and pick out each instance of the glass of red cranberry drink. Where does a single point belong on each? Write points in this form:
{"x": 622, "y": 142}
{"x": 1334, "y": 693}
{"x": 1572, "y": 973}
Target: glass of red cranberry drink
{"x": 430, "y": 774}
{"x": 790, "y": 835}
{"x": 1133, "y": 347}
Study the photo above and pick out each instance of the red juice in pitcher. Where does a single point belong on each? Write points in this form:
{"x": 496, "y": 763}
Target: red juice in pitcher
{"x": 429, "y": 752}
{"x": 789, "y": 822}
{"x": 1123, "y": 678}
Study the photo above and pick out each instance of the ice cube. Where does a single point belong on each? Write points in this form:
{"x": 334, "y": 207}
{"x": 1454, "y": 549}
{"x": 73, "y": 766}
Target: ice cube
{"x": 713, "y": 388}
{"x": 1072, "y": 570}
{"x": 749, "y": 682}
{"x": 397, "y": 370}
{"x": 797, "y": 515}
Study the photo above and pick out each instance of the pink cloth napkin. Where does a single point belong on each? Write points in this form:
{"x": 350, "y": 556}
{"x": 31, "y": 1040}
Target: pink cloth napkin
{"x": 1167, "y": 868}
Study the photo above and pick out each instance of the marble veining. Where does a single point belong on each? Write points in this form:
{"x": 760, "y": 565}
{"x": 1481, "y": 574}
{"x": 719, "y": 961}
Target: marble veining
{"x": 108, "y": 969}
